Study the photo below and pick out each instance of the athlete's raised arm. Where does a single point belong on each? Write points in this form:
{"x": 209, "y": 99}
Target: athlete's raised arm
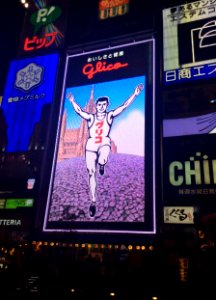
{"x": 77, "y": 108}
{"x": 122, "y": 107}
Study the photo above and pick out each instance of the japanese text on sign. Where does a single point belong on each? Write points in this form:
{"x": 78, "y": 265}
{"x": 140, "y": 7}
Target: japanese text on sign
{"x": 190, "y": 73}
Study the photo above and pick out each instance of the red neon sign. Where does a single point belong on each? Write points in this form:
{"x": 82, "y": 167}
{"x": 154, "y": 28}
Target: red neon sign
{"x": 40, "y": 42}
{"x": 90, "y": 70}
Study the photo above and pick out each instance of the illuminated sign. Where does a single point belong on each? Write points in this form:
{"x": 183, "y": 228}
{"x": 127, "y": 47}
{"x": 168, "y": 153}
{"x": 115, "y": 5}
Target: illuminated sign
{"x": 197, "y": 167}
{"x": 44, "y": 26}
{"x": 28, "y": 91}
{"x": 37, "y": 42}
{"x": 112, "y": 8}
{"x": 189, "y": 111}
{"x": 179, "y": 214}
{"x": 15, "y": 203}
{"x": 10, "y": 222}
{"x": 24, "y": 114}
{"x": 90, "y": 69}
{"x": 105, "y": 151}
{"x": 189, "y": 161}
{"x": 189, "y": 176}
{"x": 189, "y": 26}
{"x": 45, "y": 16}
{"x": 183, "y": 268}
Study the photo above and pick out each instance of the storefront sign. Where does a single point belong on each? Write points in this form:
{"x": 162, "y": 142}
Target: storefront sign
{"x": 179, "y": 215}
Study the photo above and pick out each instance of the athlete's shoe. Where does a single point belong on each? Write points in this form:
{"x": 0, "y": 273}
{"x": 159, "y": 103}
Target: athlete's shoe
{"x": 101, "y": 169}
{"x": 92, "y": 210}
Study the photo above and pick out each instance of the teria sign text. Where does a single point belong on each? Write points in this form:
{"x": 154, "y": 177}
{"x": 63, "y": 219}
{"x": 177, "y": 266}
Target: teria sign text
{"x": 10, "y": 222}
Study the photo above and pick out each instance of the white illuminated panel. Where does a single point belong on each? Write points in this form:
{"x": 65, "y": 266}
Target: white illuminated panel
{"x": 189, "y": 26}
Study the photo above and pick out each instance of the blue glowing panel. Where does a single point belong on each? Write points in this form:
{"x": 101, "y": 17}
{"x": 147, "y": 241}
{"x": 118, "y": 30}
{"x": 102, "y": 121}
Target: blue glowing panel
{"x": 29, "y": 90}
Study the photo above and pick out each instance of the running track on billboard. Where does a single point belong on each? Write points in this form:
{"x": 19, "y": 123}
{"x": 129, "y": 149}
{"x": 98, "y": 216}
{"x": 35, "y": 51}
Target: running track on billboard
{"x": 120, "y": 191}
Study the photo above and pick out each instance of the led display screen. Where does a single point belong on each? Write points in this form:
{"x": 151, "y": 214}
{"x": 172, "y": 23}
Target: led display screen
{"x": 189, "y": 41}
{"x": 189, "y": 110}
{"x": 103, "y": 172}
{"x": 190, "y": 172}
{"x": 24, "y": 117}
{"x": 189, "y": 161}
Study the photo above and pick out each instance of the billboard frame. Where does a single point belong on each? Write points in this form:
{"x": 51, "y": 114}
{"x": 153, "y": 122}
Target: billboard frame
{"x": 150, "y": 228}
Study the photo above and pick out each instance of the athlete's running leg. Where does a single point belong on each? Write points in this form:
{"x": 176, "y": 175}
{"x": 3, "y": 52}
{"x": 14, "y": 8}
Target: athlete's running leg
{"x": 103, "y": 153}
{"x": 91, "y": 159}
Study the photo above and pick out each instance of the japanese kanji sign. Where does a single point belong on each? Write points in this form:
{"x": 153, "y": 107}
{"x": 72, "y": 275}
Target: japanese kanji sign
{"x": 179, "y": 214}
{"x": 189, "y": 41}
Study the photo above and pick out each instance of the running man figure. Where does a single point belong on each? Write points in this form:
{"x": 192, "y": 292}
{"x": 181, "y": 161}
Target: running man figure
{"x": 98, "y": 145}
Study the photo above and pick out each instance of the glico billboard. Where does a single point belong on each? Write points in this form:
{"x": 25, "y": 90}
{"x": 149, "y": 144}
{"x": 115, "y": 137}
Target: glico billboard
{"x": 24, "y": 117}
{"x": 103, "y": 173}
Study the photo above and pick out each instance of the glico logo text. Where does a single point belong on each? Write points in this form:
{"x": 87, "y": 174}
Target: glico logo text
{"x": 90, "y": 69}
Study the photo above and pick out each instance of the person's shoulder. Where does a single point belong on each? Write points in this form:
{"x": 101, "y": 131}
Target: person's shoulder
{"x": 110, "y": 113}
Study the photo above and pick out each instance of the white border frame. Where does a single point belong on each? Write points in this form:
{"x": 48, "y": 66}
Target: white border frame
{"x": 79, "y": 230}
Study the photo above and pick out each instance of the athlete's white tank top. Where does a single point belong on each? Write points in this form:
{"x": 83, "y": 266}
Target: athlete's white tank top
{"x": 99, "y": 129}
{"x": 98, "y": 134}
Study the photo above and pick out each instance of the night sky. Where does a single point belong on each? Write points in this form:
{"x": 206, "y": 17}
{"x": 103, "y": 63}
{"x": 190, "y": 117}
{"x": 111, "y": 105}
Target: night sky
{"x": 12, "y": 17}
{"x": 11, "y": 21}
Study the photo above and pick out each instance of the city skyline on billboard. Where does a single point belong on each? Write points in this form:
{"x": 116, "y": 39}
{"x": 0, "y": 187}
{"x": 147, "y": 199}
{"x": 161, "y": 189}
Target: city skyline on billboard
{"x": 189, "y": 26}
{"x": 100, "y": 171}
